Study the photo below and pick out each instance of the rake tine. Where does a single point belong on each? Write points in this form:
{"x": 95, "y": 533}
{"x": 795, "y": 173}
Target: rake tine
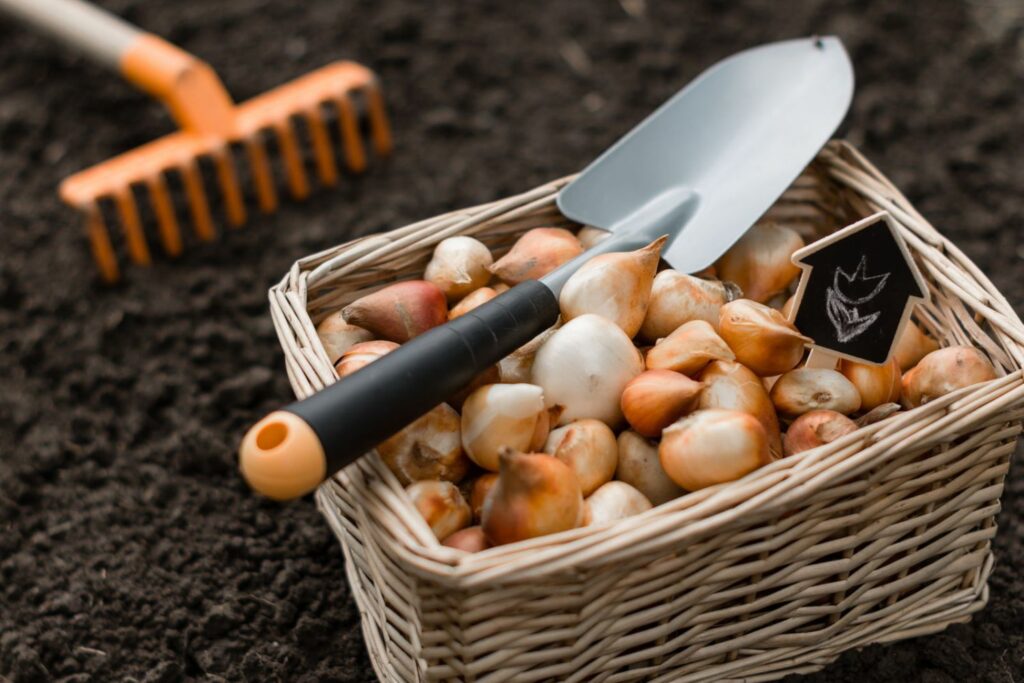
{"x": 160, "y": 198}
{"x": 234, "y": 206}
{"x": 99, "y": 241}
{"x": 197, "y": 201}
{"x": 297, "y": 181}
{"x": 266, "y": 195}
{"x": 379, "y": 128}
{"x": 325, "y": 164}
{"x": 352, "y": 141}
{"x": 129, "y": 214}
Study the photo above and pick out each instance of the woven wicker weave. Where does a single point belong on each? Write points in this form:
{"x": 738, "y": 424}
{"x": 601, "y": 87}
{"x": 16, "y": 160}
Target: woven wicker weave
{"x": 882, "y": 535}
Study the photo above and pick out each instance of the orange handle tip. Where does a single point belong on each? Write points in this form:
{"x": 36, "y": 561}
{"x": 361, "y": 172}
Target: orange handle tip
{"x": 281, "y": 457}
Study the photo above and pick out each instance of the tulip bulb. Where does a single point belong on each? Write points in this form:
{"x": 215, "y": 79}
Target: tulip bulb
{"x": 459, "y": 265}
{"x": 441, "y": 505}
{"x": 816, "y": 428}
{"x": 589, "y": 448}
{"x": 712, "y": 447}
{"x": 944, "y": 371}
{"x": 731, "y": 386}
{"x": 518, "y": 365}
{"x": 535, "y": 254}
{"x": 536, "y": 495}
{"x": 654, "y": 399}
{"x": 475, "y": 298}
{"x": 640, "y": 467}
{"x": 876, "y": 384}
{"x": 805, "y": 389}
{"x": 677, "y": 298}
{"x": 471, "y": 540}
{"x": 761, "y": 337}
{"x": 584, "y": 366}
{"x": 400, "y": 311}
{"x": 503, "y": 415}
{"x": 590, "y": 236}
{"x": 361, "y": 355}
{"x": 613, "y": 501}
{"x": 760, "y": 262}
{"x": 429, "y": 448}
{"x": 616, "y": 286}
{"x": 688, "y": 349}
{"x": 912, "y": 345}
{"x": 338, "y": 336}
{"x": 481, "y": 489}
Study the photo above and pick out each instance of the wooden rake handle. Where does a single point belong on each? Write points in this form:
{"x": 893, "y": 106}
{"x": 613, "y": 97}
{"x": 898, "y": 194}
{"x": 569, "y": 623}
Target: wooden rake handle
{"x": 188, "y": 86}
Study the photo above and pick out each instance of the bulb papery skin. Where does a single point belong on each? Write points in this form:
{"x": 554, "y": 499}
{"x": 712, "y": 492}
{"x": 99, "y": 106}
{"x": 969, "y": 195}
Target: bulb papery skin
{"x": 589, "y": 448}
{"x": 944, "y": 371}
{"x": 761, "y": 337}
{"x": 338, "y": 336}
{"x": 711, "y": 447}
{"x": 805, "y": 389}
{"x": 760, "y": 263}
{"x": 876, "y": 384}
{"x": 614, "y": 501}
{"x": 640, "y": 467}
{"x": 400, "y": 311}
{"x": 429, "y": 448}
{"x": 677, "y": 298}
{"x": 728, "y": 385}
{"x": 471, "y": 540}
{"x": 912, "y": 345}
{"x": 459, "y": 265}
{"x": 654, "y": 399}
{"x": 477, "y": 297}
{"x": 689, "y": 349}
{"x": 482, "y": 487}
{"x": 362, "y": 354}
{"x": 816, "y": 428}
{"x": 536, "y": 494}
{"x": 503, "y": 415}
{"x": 518, "y": 365}
{"x": 441, "y": 505}
{"x": 616, "y": 286}
{"x": 584, "y": 367}
{"x": 590, "y": 236}
{"x": 535, "y": 254}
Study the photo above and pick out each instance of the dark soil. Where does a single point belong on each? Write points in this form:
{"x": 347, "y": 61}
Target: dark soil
{"x": 129, "y": 547}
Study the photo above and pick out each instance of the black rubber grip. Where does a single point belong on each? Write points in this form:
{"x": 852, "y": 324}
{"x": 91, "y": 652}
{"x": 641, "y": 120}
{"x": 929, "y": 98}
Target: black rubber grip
{"x": 355, "y": 414}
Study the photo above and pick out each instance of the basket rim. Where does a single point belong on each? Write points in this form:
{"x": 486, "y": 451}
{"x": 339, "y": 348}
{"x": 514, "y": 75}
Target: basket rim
{"x": 761, "y": 494}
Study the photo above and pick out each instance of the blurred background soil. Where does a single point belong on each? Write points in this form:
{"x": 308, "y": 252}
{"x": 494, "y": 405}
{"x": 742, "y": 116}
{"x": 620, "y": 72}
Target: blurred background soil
{"x": 129, "y": 547}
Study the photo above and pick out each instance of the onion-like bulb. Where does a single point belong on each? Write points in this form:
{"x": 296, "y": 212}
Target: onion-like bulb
{"x": 712, "y": 447}
{"x": 613, "y": 501}
{"x": 877, "y": 384}
{"x": 761, "y": 337}
{"x": 805, "y": 389}
{"x": 616, "y": 286}
{"x": 496, "y": 416}
{"x": 760, "y": 263}
{"x": 429, "y": 448}
{"x": 688, "y": 349}
{"x": 640, "y": 467}
{"x": 441, "y": 505}
{"x": 945, "y": 371}
{"x": 400, "y": 311}
{"x": 677, "y": 298}
{"x": 816, "y": 428}
{"x": 459, "y": 266}
{"x": 654, "y": 399}
{"x": 589, "y": 448}
{"x": 535, "y": 254}
{"x": 536, "y": 494}
{"x": 338, "y": 336}
{"x": 731, "y": 386}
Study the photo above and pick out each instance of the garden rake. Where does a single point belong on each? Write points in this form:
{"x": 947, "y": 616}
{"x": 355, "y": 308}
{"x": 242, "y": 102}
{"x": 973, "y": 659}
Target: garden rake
{"x": 216, "y": 134}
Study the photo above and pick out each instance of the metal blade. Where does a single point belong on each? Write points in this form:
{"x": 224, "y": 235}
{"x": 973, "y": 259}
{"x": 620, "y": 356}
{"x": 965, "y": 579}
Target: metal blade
{"x": 710, "y": 161}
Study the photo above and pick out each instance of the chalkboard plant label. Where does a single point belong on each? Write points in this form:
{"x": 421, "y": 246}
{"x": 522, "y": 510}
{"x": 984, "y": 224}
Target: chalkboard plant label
{"x": 857, "y": 291}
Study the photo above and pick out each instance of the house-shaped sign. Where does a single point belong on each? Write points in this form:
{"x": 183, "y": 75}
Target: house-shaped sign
{"x": 857, "y": 291}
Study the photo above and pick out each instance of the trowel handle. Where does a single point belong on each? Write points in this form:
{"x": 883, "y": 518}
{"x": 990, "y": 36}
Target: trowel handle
{"x": 289, "y": 452}
{"x": 186, "y": 84}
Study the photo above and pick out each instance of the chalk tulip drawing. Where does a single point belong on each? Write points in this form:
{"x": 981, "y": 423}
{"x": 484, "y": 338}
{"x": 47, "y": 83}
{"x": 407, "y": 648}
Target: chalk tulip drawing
{"x": 858, "y": 289}
{"x": 841, "y": 306}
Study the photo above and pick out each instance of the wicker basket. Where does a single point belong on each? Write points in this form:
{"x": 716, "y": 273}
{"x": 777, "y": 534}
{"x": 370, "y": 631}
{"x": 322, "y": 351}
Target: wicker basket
{"x": 882, "y": 535}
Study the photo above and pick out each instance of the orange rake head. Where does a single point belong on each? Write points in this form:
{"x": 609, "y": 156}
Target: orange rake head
{"x": 222, "y": 135}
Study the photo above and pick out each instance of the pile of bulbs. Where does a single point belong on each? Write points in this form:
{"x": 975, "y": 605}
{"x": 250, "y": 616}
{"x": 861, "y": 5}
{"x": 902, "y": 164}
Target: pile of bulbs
{"x": 652, "y": 384}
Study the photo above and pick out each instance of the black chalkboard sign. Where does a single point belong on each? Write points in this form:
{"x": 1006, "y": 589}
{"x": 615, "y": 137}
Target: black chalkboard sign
{"x": 857, "y": 291}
